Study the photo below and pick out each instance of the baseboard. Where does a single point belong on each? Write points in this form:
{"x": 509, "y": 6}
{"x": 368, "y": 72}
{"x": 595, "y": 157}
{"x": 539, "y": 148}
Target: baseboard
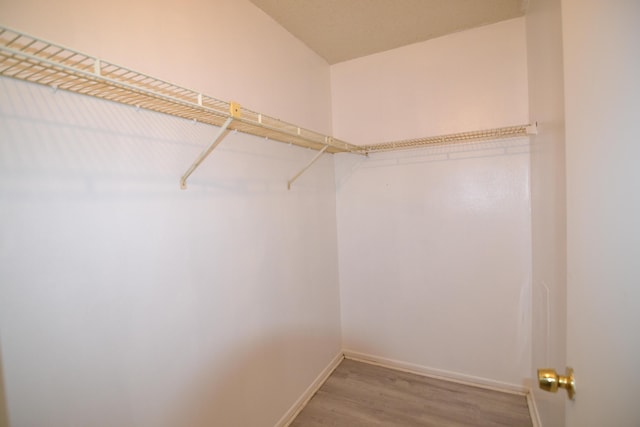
{"x": 471, "y": 380}
{"x": 302, "y": 401}
{"x": 437, "y": 373}
{"x": 533, "y": 409}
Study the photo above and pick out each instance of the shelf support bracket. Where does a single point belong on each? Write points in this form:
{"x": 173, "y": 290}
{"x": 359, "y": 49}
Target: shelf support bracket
{"x": 315, "y": 159}
{"x": 222, "y": 132}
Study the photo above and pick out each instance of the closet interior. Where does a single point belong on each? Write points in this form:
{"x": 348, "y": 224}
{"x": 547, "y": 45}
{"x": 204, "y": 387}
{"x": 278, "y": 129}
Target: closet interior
{"x": 238, "y": 293}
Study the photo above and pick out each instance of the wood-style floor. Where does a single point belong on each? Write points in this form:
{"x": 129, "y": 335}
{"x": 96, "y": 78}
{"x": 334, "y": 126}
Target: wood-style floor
{"x": 361, "y": 394}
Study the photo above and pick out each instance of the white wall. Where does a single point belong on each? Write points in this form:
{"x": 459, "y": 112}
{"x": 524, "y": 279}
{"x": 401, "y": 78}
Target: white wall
{"x": 546, "y": 104}
{"x": 470, "y": 80}
{"x": 126, "y": 301}
{"x": 434, "y": 244}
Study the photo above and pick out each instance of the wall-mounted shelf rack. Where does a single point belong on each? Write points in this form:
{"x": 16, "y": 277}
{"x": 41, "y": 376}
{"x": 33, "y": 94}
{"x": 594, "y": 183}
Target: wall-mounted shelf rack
{"x": 474, "y": 136}
{"x": 28, "y": 58}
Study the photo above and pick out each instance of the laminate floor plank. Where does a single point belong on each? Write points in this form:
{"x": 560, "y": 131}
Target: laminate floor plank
{"x": 361, "y": 394}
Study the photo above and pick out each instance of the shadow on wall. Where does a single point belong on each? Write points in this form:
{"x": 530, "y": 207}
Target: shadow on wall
{"x": 349, "y": 164}
{"x": 91, "y": 145}
{"x": 4, "y": 412}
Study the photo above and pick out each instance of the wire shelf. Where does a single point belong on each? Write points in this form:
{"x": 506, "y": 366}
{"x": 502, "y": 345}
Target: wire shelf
{"x": 475, "y": 136}
{"x": 34, "y": 60}
{"x": 30, "y": 59}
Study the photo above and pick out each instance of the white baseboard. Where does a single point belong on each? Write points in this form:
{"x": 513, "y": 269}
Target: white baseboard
{"x": 533, "y": 409}
{"x": 302, "y": 401}
{"x": 437, "y": 373}
{"x": 471, "y": 380}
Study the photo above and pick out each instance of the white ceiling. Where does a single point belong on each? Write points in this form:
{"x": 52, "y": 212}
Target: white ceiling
{"x": 340, "y": 30}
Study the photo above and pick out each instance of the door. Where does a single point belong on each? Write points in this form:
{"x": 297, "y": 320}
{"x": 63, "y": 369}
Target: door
{"x": 602, "y": 118}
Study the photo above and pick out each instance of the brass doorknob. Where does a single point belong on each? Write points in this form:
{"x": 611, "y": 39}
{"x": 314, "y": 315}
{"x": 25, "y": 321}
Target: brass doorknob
{"x": 549, "y": 380}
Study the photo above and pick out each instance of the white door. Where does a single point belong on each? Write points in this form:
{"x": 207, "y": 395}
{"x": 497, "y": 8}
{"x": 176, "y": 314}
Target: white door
{"x": 602, "y": 105}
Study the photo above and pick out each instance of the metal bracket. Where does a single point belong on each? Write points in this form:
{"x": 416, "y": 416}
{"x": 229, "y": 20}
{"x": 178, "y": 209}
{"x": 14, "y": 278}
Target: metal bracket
{"x": 222, "y": 132}
{"x": 235, "y": 110}
{"x": 315, "y": 159}
{"x": 532, "y": 129}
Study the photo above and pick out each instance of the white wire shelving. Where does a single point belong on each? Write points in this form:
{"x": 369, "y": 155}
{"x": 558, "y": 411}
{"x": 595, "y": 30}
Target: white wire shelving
{"x": 34, "y": 60}
{"x": 453, "y": 138}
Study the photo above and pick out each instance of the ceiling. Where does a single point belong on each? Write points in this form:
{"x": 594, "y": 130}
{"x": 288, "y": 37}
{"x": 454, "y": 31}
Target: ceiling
{"x": 340, "y": 30}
